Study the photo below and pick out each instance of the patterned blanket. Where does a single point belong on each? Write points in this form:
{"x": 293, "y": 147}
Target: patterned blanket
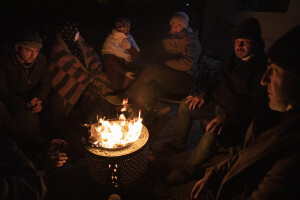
{"x": 70, "y": 77}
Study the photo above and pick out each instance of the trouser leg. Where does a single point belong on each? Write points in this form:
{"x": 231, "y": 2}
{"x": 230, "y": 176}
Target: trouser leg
{"x": 185, "y": 118}
{"x": 171, "y": 80}
{"x": 204, "y": 150}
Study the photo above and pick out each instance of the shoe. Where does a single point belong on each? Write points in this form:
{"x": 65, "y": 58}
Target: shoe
{"x": 114, "y": 99}
{"x": 165, "y": 148}
{"x": 179, "y": 176}
{"x": 163, "y": 111}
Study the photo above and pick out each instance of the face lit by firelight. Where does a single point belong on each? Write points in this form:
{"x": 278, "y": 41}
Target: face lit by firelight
{"x": 277, "y": 80}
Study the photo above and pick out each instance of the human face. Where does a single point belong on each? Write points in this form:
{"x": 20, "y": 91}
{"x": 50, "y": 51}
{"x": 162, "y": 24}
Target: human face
{"x": 26, "y": 54}
{"x": 276, "y": 80}
{"x": 243, "y": 48}
{"x": 125, "y": 30}
{"x": 176, "y": 27}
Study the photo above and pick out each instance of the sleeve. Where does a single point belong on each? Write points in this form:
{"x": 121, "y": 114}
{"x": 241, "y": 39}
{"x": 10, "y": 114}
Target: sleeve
{"x": 19, "y": 179}
{"x": 281, "y": 181}
{"x": 184, "y": 62}
{"x": 45, "y": 81}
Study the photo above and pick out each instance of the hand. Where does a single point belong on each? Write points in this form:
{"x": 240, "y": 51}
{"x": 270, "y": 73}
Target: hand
{"x": 196, "y": 101}
{"x": 126, "y": 44}
{"x": 130, "y": 75}
{"x": 216, "y": 125}
{"x": 35, "y": 105}
{"x": 198, "y": 188}
{"x": 55, "y": 153}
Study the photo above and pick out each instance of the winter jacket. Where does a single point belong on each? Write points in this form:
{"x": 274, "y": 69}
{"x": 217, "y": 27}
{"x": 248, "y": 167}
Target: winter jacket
{"x": 18, "y": 85}
{"x": 114, "y": 45}
{"x": 182, "y": 51}
{"x": 266, "y": 168}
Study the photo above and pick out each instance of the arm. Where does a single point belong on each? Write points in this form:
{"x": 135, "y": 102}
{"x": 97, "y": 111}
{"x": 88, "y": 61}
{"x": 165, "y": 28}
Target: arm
{"x": 45, "y": 81}
{"x": 134, "y": 50}
{"x": 185, "y": 61}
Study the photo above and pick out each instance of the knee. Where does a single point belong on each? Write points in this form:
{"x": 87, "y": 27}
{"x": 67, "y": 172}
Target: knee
{"x": 184, "y": 107}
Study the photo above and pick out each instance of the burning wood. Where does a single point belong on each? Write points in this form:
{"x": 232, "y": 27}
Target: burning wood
{"x": 118, "y": 133}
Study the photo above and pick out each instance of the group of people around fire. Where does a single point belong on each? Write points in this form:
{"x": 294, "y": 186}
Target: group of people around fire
{"x": 250, "y": 106}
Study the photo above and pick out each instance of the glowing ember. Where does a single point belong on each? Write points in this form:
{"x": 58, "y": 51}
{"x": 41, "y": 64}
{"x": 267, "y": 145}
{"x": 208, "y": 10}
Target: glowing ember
{"x": 115, "y": 134}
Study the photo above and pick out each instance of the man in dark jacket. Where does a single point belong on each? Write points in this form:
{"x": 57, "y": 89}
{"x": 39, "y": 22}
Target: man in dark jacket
{"x": 24, "y": 81}
{"x": 228, "y": 105}
{"x": 175, "y": 74}
{"x": 268, "y": 165}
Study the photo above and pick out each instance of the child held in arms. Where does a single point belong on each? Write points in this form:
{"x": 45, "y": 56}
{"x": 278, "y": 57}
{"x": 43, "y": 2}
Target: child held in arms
{"x": 119, "y": 51}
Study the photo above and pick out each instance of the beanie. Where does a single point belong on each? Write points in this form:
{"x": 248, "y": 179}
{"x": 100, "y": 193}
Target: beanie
{"x": 249, "y": 29}
{"x": 29, "y": 38}
{"x": 285, "y": 51}
{"x": 122, "y": 22}
{"x": 181, "y": 18}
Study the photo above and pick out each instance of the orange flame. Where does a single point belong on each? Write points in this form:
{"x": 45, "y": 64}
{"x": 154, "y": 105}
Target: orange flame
{"x": 125, "y": 103}
{"x": 114, "y": 134}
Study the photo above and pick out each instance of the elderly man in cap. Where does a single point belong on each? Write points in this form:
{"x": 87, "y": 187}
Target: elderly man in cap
{"x": 175, "y": 74}
{"x": 268, "y": 165}
{"x": 228, "y": 104}
{"x": 24, "y": 81}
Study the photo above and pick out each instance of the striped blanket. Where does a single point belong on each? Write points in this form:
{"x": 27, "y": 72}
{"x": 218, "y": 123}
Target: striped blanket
{"x": 70, "y": 77}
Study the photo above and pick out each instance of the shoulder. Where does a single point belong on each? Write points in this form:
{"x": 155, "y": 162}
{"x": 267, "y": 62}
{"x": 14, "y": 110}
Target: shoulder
{"x": 41, "y": 58}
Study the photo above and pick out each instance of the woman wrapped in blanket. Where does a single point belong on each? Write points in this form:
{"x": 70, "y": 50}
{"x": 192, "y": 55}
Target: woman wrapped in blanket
{"x": 76, "y": 70}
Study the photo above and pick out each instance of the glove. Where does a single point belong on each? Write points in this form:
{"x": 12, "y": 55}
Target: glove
{"x": 126, "y": 44}
{"x": 130, "y": 75}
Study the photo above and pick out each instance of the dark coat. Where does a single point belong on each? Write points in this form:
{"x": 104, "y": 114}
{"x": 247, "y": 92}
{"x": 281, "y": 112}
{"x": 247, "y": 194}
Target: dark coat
{"x": 238, "y": 91}
{"x": 18, "y": 86}
{"x": 267, "y": 167}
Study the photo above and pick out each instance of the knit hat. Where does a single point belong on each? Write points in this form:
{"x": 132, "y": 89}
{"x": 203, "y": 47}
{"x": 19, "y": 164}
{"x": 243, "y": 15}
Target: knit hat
{"x": 181, "y": 18}
{"x": 29, "y": 38}
{"x": 122, "y": 22}
{"x": 286, "y": 50}
{"x": 249, "y": 29}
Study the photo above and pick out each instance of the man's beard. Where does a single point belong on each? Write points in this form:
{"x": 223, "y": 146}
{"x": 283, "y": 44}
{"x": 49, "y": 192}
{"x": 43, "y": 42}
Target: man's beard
{"x": 241, "y": 53}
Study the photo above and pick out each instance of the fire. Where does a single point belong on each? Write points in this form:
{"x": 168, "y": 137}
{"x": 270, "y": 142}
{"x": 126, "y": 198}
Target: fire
{"x": 114, "y": 134}
{"x": 125, "y": 104}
